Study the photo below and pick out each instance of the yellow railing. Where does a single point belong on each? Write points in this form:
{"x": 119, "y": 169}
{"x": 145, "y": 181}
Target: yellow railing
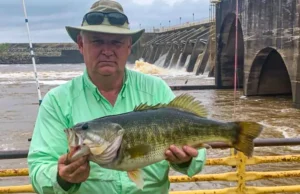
{"x": 241, "y": 176}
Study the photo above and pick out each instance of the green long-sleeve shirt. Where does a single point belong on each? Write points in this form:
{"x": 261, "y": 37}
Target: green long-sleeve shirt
{"x": 79, "y": 100}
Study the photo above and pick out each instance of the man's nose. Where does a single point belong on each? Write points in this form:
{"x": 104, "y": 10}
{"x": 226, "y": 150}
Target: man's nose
{"x": 107, "y": 50}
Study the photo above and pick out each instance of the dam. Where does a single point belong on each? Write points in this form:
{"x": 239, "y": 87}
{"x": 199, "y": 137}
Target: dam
{"x": 264, "y": 38}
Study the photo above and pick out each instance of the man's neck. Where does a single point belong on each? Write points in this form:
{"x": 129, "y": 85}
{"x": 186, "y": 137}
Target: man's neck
{"x": 109, "y": 86}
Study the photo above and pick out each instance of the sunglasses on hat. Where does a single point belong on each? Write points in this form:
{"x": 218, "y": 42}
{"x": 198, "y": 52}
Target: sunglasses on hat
{"x": 114, "y": 18}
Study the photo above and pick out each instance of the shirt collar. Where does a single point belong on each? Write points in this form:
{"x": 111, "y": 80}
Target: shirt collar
{"x": 94, "y": 89}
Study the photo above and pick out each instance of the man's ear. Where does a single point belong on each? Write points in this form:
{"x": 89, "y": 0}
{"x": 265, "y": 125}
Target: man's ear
{"x": 80, "y": 43}
{"x": 129, "y": 46}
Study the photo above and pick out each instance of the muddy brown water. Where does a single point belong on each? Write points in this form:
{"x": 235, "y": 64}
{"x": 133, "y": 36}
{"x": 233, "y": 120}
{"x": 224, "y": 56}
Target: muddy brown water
{"x": 18, "y": 102}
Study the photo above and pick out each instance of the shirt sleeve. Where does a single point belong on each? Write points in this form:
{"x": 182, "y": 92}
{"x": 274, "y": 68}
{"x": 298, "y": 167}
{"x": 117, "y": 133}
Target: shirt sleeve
{"x": 47, "y": 145}
{"x": 197, "y": 163}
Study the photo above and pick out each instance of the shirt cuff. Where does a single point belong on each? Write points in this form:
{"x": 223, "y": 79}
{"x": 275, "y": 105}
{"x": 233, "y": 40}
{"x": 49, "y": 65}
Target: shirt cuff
{"x": 196, "y": 165}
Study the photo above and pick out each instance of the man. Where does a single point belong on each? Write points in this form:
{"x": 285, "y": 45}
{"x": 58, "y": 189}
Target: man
{"x": 106, "y": 87}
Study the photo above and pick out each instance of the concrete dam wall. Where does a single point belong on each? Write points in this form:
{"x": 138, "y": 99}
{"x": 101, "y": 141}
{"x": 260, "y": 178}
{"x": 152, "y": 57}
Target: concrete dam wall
{"x": 186, "y": 48}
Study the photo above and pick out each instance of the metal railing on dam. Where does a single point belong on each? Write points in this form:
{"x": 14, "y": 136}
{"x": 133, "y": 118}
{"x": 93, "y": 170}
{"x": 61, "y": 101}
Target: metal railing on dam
{"x": 241, "y": 176}
{"x": 178, "y": 26}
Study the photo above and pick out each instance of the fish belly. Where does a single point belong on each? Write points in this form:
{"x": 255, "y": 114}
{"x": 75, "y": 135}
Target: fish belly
{"x": 129, "y": 164}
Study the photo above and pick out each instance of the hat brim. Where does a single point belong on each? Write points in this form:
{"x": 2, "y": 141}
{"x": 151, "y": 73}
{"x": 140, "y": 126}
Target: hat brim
{"x": 74, "y": 31}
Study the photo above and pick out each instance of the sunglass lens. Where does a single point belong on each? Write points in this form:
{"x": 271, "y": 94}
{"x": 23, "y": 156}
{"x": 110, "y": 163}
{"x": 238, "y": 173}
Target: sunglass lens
{"x": 117, "y": 18}
{"x": 94, "y": 18}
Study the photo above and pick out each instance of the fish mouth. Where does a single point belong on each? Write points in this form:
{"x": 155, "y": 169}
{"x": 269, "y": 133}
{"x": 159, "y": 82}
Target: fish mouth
{"x": 79, "y": 152}
{"x": 73, "y": 138}
{"x": 76, "y": 146}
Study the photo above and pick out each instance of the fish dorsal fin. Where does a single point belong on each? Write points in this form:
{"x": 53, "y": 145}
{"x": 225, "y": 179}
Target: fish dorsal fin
{"x": 145, "y": 106}
{"x": 184, "y": 102}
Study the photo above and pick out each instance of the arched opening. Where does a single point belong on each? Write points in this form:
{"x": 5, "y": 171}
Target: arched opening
{"x": 226, "y": 53}
{"x": 268, "y": 74}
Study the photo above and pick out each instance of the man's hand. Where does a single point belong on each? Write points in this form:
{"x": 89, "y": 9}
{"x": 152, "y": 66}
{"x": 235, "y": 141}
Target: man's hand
{"x": 178, "y": 156}
{"x": 72, "y": 173}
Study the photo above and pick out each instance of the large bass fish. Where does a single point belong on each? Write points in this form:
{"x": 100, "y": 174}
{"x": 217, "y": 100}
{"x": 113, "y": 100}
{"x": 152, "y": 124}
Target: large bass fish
{"x": 133, "y": 140}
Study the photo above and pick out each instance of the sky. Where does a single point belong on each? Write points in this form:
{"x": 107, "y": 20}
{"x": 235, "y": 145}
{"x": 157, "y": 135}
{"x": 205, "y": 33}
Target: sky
{"x": 47, "y": 19}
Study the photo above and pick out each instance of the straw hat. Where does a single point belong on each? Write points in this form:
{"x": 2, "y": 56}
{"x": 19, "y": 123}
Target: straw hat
{"x": 105, "y": 26}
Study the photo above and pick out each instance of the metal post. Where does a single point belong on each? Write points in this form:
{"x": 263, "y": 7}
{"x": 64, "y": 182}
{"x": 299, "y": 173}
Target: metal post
{"x": 32, "y": 56}
{"x": 210, "y": 14}
{"x": 235, "y": 56}
{"x": 241, "y": 172}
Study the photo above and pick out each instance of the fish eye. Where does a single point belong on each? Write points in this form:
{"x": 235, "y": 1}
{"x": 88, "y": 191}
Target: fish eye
{"x": 85, "y": 126}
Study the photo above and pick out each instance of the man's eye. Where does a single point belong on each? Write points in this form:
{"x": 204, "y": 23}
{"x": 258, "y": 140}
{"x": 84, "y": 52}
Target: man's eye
{"x": 98, "y": 41}
{"x": 116, "y": 42}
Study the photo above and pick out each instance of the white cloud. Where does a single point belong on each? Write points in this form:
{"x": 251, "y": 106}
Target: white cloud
{"x": 172, "y": 2}
{"x": 167, "y": 2}
{"x": 42, "y": 36}
{"x": 143, "y": 2}
{"x": 150, "y": 2}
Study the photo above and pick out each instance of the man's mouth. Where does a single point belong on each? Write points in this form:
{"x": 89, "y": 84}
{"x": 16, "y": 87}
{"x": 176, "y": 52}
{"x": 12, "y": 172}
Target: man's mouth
{"x": 108, "y": 62}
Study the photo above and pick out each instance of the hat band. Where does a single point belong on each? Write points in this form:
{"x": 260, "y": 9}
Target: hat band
{"x": 97, "y": 18}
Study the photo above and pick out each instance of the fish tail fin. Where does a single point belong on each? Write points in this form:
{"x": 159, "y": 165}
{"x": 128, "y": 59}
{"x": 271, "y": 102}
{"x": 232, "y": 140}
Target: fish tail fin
{"x": 247, "y": 132}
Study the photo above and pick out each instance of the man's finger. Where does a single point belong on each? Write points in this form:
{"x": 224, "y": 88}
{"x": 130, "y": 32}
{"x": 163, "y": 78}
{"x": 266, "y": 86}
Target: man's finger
{"x": 62, "y": 159}
{"x": 190, "y": 151}
{"x": 170, "y": 156}
{"x": 67, "y": 160}
{"x": 81, "y": 170}
{"x": 75, "y": 165}
{"x": 178, "y": 153}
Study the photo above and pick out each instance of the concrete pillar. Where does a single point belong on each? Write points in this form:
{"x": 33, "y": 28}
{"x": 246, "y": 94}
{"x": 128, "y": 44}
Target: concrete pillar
{"x": 197, "y": 63}
{"x": 296, "y": 96}
{"x": 296, "y": 88}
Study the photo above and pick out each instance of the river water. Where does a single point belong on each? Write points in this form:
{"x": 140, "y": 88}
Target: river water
{"x": 19, "y": 106}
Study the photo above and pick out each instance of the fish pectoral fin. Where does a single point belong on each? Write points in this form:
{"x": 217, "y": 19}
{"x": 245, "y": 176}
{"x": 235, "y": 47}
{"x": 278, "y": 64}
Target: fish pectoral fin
{"x": 137, "y": 177}
{"x": 201, "y": 145}
{"x": 139, "y": 150}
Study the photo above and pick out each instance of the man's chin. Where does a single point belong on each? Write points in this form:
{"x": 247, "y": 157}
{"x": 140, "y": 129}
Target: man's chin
{"x": 107, "y": 71}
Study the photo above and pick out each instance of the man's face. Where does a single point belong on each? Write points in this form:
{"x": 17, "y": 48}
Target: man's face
{"x": 104, "y": 54}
